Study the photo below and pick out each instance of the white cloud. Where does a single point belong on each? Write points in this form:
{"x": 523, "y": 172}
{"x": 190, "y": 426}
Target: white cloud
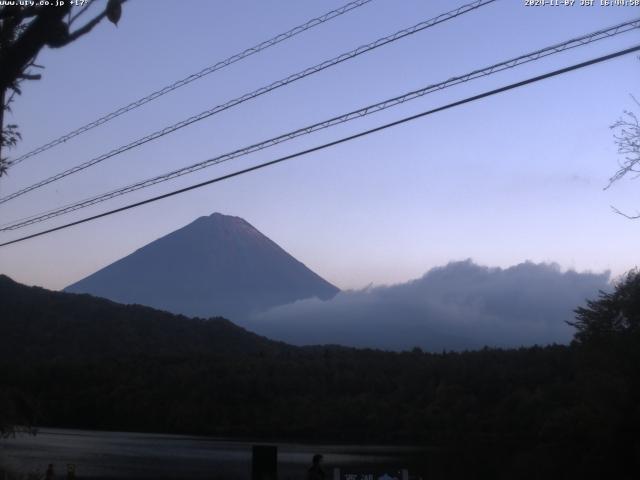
{"x": 461, "y": 305}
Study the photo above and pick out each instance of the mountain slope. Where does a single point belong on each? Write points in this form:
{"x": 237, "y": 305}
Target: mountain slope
{"x": 40, "y": 324}
{"x": 217, "y": 265}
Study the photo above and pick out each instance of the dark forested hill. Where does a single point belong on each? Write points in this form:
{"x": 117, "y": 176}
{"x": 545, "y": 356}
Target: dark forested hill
{"x": 555, "y": 412}
{"x": 216, "y": 265}
{"x": 40, "y": 324}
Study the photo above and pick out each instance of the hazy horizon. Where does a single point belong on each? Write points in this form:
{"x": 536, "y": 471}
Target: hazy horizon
{"x": 367, "y": 286}
{"x": 221, "y": 266}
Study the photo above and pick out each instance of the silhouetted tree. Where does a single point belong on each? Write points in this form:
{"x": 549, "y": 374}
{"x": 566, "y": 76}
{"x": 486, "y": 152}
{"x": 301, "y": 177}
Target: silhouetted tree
{"x": 24, "y": 31}
{"x": 607, "y": 350}
{"x": 627, "y": 138}
{"x": 613, "y": 314}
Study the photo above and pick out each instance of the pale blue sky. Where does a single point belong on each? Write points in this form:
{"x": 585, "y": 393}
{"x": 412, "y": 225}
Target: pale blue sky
{"x": 510, "y": 178}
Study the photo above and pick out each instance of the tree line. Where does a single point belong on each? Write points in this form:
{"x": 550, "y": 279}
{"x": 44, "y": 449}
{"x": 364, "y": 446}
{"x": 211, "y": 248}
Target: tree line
{"x": 538, "y": 412}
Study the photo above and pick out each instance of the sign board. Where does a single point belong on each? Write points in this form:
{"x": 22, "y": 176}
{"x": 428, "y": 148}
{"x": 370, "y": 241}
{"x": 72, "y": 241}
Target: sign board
{"x": 370, "y": 474}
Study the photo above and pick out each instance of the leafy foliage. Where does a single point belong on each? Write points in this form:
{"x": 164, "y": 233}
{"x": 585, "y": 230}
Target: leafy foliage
{"x": 25, "y": 29}
{"x": 613, "y": 314}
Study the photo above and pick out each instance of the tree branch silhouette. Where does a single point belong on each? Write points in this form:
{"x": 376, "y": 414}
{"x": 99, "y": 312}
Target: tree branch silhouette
{"x": 24, "y": 32}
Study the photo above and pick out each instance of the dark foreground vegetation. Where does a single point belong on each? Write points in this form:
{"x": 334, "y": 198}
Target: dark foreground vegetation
{"x": 541, "y": 412}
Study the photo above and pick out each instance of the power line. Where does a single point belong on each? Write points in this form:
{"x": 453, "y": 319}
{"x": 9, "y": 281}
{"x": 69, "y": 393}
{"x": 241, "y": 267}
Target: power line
{"x": 368, "y": 110}
{"x": 196, "y": 76}
{"x": 256, "y": 93}
{"x": 337, "y": 142}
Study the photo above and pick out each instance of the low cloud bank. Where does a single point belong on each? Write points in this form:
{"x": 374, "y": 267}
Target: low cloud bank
{"x": 459, "y": 306}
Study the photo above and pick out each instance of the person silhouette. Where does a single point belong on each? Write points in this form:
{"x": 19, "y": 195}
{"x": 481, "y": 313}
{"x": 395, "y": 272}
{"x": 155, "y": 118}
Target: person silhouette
{"x": 316, "y": 472}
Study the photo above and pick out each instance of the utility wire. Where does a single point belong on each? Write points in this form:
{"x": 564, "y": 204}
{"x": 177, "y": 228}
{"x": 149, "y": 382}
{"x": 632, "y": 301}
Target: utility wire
{"x": 474, "y": 98}
{"x": 256, "y": 93}
{"x": 195, "y": 76}
{"x": 370, "y": 109}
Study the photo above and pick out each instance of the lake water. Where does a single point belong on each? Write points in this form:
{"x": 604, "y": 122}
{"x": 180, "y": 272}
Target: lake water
{"x": 117, "y": 455}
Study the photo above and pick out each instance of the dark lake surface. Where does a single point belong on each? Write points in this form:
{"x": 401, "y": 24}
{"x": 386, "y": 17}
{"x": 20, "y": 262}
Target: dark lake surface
{"x": 118, "y": 455}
